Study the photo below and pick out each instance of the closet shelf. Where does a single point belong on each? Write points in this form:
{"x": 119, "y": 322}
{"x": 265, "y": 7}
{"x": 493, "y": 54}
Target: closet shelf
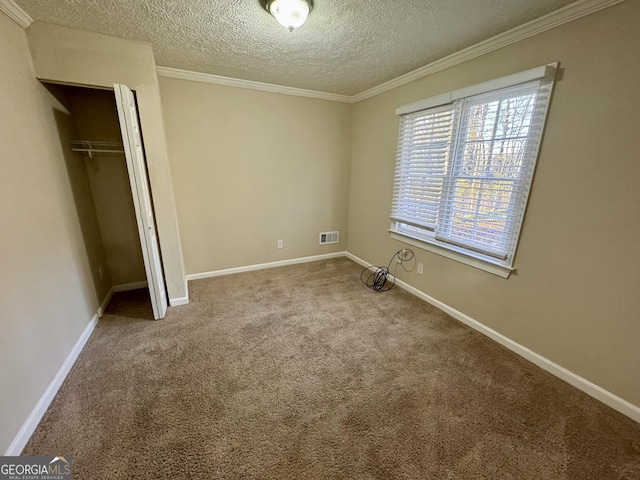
{"x": 90, "y": 147}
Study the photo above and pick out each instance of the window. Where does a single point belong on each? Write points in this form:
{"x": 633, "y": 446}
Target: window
{"x": 464, "y": 167}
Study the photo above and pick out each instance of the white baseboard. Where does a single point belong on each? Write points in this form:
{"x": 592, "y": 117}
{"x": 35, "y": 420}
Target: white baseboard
{"x": 105, "y": 302}
{"x": 30, "y": 424}
{"x": 260, "y": 266}
{"x": 125, "y": 287}
{"x": 176, "y": 302}
{"x": 619, "y": 404}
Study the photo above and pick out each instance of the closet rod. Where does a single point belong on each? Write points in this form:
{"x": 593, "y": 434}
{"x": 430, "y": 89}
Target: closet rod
{"x": 93, "y": 150}
{"x": 91, "y": 147}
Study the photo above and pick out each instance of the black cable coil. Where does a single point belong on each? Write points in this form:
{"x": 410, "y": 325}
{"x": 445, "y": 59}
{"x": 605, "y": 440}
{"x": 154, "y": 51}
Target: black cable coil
{"x": 381, "y": 279}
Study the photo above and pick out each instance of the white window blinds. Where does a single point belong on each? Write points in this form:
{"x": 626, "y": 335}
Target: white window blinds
{"x": 424, "y": 145}
{"x": 464, "y": 169}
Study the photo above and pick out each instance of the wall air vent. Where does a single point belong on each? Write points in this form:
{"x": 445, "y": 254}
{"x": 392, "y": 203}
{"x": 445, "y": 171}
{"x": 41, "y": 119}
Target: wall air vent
{"x": 329, "y": 237}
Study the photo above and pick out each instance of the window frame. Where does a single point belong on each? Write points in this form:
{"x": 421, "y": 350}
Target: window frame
{"x": 427, "y": 239}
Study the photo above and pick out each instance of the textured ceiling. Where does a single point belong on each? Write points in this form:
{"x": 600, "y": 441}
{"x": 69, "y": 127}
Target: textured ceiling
{"x": 346, "y": 46}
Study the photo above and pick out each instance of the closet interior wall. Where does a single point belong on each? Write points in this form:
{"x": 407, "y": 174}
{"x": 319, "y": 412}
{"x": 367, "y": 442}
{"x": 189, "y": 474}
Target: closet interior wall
{"x": 95, "y": 118}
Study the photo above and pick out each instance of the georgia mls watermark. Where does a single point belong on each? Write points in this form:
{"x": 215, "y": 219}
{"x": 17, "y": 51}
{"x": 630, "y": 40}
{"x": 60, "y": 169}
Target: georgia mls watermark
{"x": 36, "y": 468}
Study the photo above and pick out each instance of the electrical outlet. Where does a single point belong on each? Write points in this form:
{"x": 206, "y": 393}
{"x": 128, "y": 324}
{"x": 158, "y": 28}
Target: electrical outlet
{"x": 420, "y": 268}
{"x": 280, "y": 244}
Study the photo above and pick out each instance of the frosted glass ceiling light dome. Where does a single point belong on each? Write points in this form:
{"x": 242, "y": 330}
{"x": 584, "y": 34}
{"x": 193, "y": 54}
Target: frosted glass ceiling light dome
{"x": 290, "y": 13}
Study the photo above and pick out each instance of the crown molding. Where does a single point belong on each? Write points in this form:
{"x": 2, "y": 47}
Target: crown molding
{"x": 15, "y": 13}
{"x": 554, "y": 19}
{"x": 249, "y": 84}
{"x": 567, "y": 14}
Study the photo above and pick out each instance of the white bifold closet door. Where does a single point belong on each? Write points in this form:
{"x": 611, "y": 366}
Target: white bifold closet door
{"x": 136, "y": 166}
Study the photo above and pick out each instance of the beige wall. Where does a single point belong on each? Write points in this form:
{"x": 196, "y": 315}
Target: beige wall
{"x": 250, "y": 168}
{"x": 66, "y": 55}
{"x": 574, "y": 298}
{"x": 96, "y": 118}
{"x": 48, "y": 241}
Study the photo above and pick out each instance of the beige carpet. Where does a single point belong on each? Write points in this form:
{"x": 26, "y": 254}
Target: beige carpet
{"x": 301, "y": 373}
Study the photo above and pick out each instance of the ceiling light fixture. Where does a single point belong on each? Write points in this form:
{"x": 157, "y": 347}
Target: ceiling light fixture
{"x": 290, "y": 13}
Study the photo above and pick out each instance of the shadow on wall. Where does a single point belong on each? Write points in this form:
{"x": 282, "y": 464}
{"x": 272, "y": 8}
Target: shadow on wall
{"x": 82, "y": 196}
{"x": 95, "y": 115}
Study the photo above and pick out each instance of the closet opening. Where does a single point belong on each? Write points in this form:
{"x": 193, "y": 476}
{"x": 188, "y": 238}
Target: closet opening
{"x": 104, "y": 151}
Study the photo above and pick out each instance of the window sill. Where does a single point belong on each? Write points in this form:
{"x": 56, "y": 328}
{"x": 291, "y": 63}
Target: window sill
{"x": 498, "y": 270}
